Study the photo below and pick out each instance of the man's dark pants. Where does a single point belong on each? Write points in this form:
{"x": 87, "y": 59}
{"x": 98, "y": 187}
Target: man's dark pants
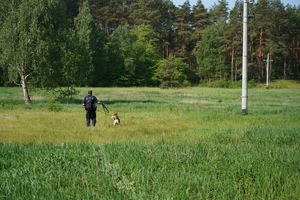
{"x": 90, "y": 115}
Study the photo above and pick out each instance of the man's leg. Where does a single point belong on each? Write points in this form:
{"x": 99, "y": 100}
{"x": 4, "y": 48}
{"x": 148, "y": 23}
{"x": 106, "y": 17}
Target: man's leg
{"x": 94, "y": 121}
{"x": 88, "y": 118}
{"x": 93, "y": 118}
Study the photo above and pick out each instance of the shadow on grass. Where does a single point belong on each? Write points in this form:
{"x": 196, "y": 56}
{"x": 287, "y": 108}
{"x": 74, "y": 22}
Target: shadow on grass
{"x": 110, "y": 102}
{"x": 132, "y": 101}
{"x": 4, "y": 103}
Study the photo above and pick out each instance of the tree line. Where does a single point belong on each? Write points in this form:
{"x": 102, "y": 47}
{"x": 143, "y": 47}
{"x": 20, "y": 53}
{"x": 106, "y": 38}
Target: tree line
{"x": 67, "y": 43}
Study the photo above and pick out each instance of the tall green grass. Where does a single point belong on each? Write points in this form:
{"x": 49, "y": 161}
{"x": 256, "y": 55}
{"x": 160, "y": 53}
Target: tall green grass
{"x": 191, "y": 143}
{"x": 150, "y": 171}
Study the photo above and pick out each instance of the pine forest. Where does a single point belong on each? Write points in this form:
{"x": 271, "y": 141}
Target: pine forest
{"x": 105, "y": 43}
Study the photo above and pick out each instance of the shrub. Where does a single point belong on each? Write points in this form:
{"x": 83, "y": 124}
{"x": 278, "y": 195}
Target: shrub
{"x": 170, "y": 84}
{"x": 2, "y": 103}
{"x": 54, "y": 105}
{"x": 67, "y": 94}
{"x": 252, "y": 83}
{"x": 229, "y": 84}
{"x": 219, "y": 84}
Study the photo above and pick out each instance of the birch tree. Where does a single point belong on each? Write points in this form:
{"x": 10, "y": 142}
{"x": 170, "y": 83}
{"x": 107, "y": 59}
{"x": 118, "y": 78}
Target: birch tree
{"x": 30, "y": 44}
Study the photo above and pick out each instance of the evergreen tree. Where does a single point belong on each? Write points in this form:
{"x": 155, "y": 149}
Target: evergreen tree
{"x": 183, "y": 31}
{"x": 293, "y": 15}
{"x": 219, "y": 11}
{"x": 160, "y": 16}
{"x": 112, "y": 14}
{"x": 165, "y": 28}
{"x": 233, "y": 41}
{"x": 257, "y": 38}
{"x": 71, "y": 11}
{"x": 278, "y": 38}
{"x": 201, "y": 19}
{"x": 146, "y": 12}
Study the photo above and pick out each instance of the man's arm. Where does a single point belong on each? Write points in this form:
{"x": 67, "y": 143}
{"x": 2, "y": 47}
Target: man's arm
{"x": 99, "y": 102}
{"x": 83, "y": 101}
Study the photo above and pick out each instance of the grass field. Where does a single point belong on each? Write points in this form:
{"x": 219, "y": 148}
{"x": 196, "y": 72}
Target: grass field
{"x": 191, "y": 143}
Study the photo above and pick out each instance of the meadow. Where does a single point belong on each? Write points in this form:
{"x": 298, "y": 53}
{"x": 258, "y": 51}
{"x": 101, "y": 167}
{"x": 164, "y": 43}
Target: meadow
{"x": 191, "y": 143}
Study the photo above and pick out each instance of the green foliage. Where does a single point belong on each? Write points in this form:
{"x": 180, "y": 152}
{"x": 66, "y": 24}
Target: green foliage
{"x": 147, "y": 12}
{"x": 2, "y": 103}
{"x": 110, "y": 43}
{"x": 66, "y": 95}
{"x": 73, "y": 61}
{"x": 219, "y": 11}
{"x": 170, "y": 84}
{"x": 220, "y": 84}
{"x": 136, "y": 55}
{"x": 171, "y": 71}
{"x": 252, "y": 83}
{"x": 230, "y": 84}
{"x": 212, "y": 62}
{"x": 184, "y": 33}
{"x": 281, "y": 84}
{"x": 124, "y": 42}
{"x": 84, "y": 26}
{"x": 54, "y": 105}
{"x": 31, "y": 40}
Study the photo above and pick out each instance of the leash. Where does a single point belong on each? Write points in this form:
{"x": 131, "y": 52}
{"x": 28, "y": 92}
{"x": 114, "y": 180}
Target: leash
{"x": 106, "y": 111}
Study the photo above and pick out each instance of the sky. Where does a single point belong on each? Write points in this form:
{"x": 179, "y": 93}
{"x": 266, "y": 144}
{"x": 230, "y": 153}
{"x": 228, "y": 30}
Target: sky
{"x": 208, "y": 3}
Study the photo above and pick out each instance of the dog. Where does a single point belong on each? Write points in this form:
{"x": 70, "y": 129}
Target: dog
{"x": 116, "y": 119}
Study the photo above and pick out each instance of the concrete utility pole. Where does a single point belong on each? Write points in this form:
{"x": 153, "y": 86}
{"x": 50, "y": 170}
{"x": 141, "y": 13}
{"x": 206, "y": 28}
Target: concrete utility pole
{"x": 245, "y": 60}
{"x": 267, "y": 69}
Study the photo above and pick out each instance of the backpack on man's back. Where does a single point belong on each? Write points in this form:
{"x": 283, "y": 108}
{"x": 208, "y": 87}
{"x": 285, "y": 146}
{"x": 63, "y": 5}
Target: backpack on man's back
{"x": 89, "y": 104}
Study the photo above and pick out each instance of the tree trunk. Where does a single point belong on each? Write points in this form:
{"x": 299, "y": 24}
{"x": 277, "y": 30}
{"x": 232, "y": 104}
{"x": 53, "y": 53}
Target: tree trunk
{"x": 297, "y": 65}
{"x": 235, "y": 72}
{"x": 270, "y": 71}
{"x": 25, "y": 88}
{"x": 284, "y": 69}
{"x": 232, "y": 63}
{"x": 260, "y": 56}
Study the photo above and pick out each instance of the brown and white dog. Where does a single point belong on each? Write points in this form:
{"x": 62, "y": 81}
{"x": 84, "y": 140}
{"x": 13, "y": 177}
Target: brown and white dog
{"x": 116, "y": 119}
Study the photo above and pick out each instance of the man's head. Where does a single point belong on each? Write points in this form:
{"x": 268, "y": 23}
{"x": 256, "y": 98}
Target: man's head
{"x": 90, "y": 92}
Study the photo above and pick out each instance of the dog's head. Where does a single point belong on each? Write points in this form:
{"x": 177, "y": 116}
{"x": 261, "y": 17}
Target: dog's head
{"x": 115, "y": 116}
{"x": 116, "y": 119}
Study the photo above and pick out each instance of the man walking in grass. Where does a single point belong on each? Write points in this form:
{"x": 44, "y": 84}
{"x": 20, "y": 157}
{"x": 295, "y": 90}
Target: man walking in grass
{"x": 89, "y": 102}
